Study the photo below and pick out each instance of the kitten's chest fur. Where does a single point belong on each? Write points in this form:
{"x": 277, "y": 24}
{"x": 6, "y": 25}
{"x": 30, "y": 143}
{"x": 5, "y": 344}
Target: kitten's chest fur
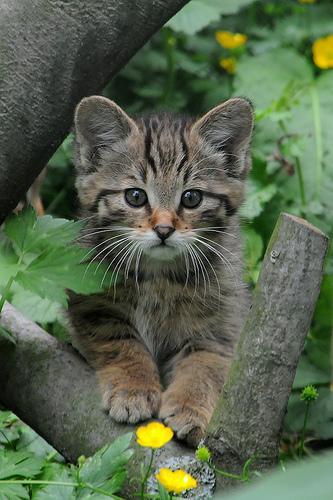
{"x": 167, "y": 315}
{"x": 162, "y": 315}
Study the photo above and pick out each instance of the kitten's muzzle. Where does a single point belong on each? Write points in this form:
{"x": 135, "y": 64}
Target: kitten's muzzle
{"x": 163, "y": 231}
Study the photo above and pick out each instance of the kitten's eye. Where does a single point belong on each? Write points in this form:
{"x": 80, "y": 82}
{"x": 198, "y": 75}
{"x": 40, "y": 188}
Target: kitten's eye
{"x": 136, "y": 197}
{"x": 192, "y": 198}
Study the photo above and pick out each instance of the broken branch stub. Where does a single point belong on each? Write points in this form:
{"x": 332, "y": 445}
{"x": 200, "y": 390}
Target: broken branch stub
{"x": 248, "y": 418}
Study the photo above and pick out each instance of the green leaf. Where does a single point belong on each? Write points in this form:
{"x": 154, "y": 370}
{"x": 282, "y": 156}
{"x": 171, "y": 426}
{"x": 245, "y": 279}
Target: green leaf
{"x": 256, "y": 199}
{"x": 57, "y": 268}
{"x": 115, "y": 484}
{"x": 233, "y": 6}
{"x": 263, "y": 78}
{"x": 198, "y": 14}
{"x": 34, "y": 307}
{"x": 13, "y": 491}
{"x": 99, "y": 469}
{"x": 56, "y": 232}
{"x": 59, "y": 473}
{"x": 8, "y": 264}
{"x": 36, "y": 284}
{"x": 31, "y": 442}
{"x": 18, "y": 227}
{"x": 64, "y": 269}
{"x": 18, "y": 464}
{"x": 8, "y": 431}
{"x": 7, "y": 418}
{"x": 31, "y": 233}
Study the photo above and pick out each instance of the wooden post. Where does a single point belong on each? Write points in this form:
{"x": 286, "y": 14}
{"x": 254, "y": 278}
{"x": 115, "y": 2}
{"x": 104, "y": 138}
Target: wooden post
{"x": 249, "y": 416}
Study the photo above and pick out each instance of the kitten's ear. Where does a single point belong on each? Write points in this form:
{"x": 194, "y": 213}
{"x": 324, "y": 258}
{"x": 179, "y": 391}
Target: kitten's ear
{"x": 227, "y": 129}
{"x": 100, "y": 122}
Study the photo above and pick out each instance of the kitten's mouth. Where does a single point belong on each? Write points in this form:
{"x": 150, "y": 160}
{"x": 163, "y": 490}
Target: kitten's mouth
{"x": 162, "y": 251}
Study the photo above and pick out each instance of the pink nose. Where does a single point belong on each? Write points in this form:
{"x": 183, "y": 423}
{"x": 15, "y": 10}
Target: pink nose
{"x": 163, "y": 231}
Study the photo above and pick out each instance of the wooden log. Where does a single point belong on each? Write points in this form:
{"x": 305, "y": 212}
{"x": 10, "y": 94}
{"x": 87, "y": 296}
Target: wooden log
{"x": 53, "y": 53}
{"x": 249, "y": 416}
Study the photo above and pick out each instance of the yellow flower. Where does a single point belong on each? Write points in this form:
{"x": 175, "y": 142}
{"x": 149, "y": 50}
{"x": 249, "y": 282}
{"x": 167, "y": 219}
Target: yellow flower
{"x": 322, "y": 50}
{"x": 228, "y": 64}
{"x": 154, "y": 435}
{"x": 176, "y": 481}
{"x": 230, "y": 40}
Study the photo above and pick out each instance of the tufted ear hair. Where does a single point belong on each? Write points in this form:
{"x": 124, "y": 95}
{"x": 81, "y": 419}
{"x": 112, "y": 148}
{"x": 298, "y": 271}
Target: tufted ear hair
{"x": 227, "y": 129}
{"x": 99, "y": 123}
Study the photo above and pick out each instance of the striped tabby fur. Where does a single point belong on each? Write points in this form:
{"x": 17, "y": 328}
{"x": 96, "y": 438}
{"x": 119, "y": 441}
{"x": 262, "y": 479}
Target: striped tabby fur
{"x": 162, "y": 338}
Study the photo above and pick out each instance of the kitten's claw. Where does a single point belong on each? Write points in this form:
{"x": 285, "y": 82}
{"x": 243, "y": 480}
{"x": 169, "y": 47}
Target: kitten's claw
{"x": 132, "y": 406}
{"x": 188, "y": 421}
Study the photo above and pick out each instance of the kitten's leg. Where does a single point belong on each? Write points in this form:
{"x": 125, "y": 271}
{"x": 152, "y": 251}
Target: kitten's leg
{"x": 127, "y": 373}
{"x": 129, "y": 380}
{"x": 196, "y": 379}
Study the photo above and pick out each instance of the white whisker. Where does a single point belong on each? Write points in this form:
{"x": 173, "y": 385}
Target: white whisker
{"x": 221, "y": 256}
{"x": 202, "y": 269}
{"x": 221, "y": 246}
{"x": 118, "y": 266}
{"x": 137, "y": 263}
{"x": 217, "y": 229}
{"x": 214, "y": 272}
{"x": 112, "y": 261}
{"x": 102, "y": 243}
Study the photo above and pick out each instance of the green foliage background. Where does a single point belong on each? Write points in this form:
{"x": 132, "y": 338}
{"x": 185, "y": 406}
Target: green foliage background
{"x": 292, "y": 170}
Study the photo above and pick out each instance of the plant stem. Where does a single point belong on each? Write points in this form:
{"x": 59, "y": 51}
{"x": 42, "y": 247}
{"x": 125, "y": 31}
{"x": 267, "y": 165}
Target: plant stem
{"x": 5, "y": 292}
{"x": 229, "y": 474}
{"x": 318, "y": 137}
{"x": 8, "y": 285}
{"x": 301, "y": 449}
{"x": 144, "y": 480}
{"x": 300, "y": 180}
{"x": 60, "y": 483}
{"x": 100, "y": 490}
{"x": 36, "y": 481}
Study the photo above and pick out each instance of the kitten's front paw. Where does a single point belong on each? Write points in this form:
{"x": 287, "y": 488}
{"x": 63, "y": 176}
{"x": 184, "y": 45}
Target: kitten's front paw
{"x": 132, "y": 405}
{"x": 188, "y": 420}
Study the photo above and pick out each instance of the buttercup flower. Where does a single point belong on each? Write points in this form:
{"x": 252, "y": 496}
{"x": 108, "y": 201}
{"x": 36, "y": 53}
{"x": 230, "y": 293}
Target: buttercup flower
{"x": 176, "y": 481}
{"x": 309, "y": 393}
{"x": 228, "y": 64}
{"x": 153, "y": 435}
{"x": 230, "y": 40}
{"x": 322, "y": 50}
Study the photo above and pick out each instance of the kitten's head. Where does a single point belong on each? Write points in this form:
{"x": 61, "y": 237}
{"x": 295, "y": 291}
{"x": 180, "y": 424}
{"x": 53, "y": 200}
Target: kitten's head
{"x": 160, "y": 180}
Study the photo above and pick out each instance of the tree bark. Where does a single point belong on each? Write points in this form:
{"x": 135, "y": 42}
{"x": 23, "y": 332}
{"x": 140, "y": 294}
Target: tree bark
{"x": 249, "y": 416}
{"x": 53, "y": 53}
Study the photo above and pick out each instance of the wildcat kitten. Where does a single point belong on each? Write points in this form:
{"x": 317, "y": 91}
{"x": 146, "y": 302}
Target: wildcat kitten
{"x": 162, "y": 194}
